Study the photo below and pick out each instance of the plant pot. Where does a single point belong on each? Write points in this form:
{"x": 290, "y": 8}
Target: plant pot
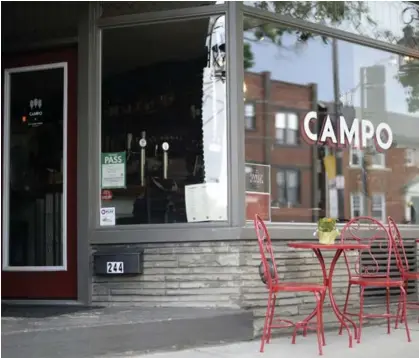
{"x": 327, "y": 238}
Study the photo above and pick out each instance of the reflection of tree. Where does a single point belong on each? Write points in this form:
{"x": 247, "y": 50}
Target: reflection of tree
{"x": 326, "y": 12}
{"x": 248, "y": 57}
{"x": 408, "y": 75}
{"x": 409, "y": 79}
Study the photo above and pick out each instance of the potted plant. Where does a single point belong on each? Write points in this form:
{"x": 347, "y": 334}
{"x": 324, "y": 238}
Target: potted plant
{"x": 327, "y": 231}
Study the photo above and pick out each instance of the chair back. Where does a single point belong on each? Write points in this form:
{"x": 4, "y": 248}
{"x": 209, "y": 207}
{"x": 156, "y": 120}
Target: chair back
{"x": 398, "y": 246}
{"x": 267, "y": 269}
{"x": 374, "y": 261}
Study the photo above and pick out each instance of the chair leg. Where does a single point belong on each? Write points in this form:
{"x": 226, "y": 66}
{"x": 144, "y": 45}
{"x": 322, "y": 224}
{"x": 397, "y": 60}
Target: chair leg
{"x": 322, "y": 322}
{"x": 399, "y": 311}
{"x": 319, "y": 319}
{"x": 265, "y": 326}
{"x": 361, "y": 314}
{"x": 401, "y": 316}
{"x": 345, "y": 307}
{"x": 271, "y": 317}
{"x": 388, "y": 309}
{"x": 404, "y": 313}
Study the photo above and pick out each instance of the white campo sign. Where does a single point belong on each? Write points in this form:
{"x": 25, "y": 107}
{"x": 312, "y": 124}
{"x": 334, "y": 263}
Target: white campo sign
{"x": 359, "y": 135}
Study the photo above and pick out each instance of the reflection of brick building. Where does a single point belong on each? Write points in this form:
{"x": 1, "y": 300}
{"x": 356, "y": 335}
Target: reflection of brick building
{"x": 267, "y": 101}
{"x": 393, "y": 182}
{"x": 272, "y": 108}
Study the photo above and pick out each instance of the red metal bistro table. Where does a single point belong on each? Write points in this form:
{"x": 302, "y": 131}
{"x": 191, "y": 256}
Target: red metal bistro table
{"x": 328, "y": 276}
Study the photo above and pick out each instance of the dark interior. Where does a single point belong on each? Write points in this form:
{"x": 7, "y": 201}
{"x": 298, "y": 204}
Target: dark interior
{"x": 153, "y": 89}
{"x": 36, "y": 167}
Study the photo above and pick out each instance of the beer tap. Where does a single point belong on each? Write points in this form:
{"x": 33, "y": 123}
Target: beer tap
{"x": 129, "y": 142}
{"x": 143, "y": 143}
{"x": 165, "y": 147}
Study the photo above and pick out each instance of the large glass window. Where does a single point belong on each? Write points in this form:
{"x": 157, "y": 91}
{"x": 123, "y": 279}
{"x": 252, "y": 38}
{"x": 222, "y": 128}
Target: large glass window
{"x": 164, "y": 134}
{"x": 336, "y": 125}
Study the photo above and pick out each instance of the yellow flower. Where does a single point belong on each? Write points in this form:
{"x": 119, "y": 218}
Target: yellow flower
{"x": 329, "y": 220}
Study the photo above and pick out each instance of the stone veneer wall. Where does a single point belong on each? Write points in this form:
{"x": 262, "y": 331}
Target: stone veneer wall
{"x": 219, "y": 274}
{"x": 417, "y": 261}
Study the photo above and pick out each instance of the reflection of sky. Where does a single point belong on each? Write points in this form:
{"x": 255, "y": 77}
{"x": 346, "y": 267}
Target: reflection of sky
{"x": 312, "y": 63}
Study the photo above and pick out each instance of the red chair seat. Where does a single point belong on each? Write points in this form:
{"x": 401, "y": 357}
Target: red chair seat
{"x": 299, "y": 287}
{"x": 411, "y": 275}
{"x": 375, "y": 282}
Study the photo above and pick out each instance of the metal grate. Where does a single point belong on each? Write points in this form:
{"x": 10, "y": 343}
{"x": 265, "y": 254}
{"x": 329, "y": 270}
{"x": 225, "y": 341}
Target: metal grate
{"x": 379, "y": 251}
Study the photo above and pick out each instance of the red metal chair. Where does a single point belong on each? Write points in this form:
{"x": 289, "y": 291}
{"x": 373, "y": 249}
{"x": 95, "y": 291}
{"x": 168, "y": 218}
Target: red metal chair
{"x": 403, "y": 266}
{"x": 366, "y": 230}
{"x": 269, "y": 275}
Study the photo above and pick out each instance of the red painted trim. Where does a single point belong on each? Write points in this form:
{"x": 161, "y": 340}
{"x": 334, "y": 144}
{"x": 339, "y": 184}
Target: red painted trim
{"x": 53, "y": 285}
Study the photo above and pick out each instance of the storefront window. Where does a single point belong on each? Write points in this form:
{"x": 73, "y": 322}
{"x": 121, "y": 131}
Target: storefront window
{"x": 335, "y": 127}
{"x": 164, "y": 128}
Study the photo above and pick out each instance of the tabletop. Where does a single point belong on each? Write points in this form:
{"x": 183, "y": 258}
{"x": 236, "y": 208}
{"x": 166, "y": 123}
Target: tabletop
{"x": 337, "y": 246}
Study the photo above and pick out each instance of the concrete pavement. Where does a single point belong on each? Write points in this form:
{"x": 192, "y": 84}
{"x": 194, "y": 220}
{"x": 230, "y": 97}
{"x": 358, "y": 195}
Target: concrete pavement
{"x": 375, "y": 343}
{"x": 86, "y": 332}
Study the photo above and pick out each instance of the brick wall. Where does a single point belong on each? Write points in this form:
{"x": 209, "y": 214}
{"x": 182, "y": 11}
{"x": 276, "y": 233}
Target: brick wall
{"x": 219, "y": 274}
{"x": 270, "y": 97}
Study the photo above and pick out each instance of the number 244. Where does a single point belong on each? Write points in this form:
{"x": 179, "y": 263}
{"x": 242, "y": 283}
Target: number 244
{"x": 115, "y": 267}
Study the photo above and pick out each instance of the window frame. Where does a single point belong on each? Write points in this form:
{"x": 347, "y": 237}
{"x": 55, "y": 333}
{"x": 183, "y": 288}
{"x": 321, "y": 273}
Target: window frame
{"x": 355, "y": 153}
{"x": 253, "y": 118}
{"x": 290, "y": 230}
{"x": 361, "y": 154}
{"x": 382, "y": 197}
{"x": 130, "y": 233}
{"x": 361, "y": 203}
{"x": 410, "y": 157}
{"x": 89, "y": 145}
{"x": 285, "y": 170}
{"x": 287, "y": 113}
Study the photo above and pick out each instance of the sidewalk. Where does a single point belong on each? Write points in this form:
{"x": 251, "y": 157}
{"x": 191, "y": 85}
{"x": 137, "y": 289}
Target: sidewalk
{"x": 375, "y": 342}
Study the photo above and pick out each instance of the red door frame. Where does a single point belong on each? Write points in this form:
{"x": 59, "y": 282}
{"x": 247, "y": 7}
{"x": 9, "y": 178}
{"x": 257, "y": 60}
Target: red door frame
{"x": 52, "y": 284}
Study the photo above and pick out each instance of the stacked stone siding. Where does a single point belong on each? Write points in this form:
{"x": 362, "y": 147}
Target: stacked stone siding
{"x": 417, "y": 267}
{"x": 220, "y": 274}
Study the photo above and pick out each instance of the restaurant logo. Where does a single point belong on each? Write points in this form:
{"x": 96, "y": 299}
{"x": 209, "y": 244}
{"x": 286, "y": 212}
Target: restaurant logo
{"x": 35, "y": 105}
{"x": 35, "y": 113}
{"x": 359, "y": 135}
